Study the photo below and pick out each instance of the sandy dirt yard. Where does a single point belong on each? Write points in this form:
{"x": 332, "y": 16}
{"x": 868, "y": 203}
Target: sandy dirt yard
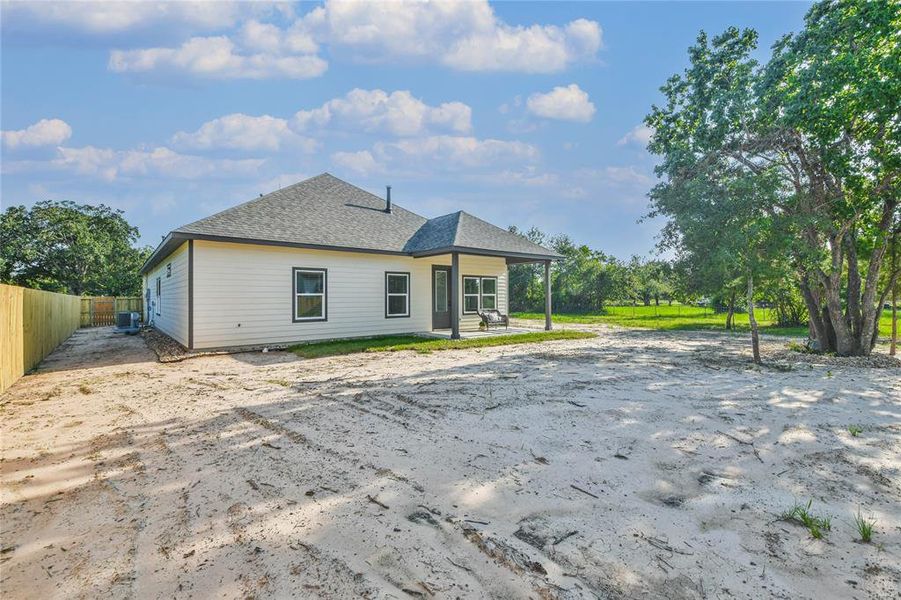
{"x": 633, "y": 465}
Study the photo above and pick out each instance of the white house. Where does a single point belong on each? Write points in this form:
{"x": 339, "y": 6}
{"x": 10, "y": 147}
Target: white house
{"x": 324, "y": 259}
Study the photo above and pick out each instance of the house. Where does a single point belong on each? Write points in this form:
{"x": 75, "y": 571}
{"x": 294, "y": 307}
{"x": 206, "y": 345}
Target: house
{"x": 324, "y": 259}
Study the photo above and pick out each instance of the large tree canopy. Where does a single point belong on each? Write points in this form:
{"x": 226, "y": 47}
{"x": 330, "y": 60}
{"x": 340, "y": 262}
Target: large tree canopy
{"x": 72, "y": 248}
{"x": 799, "y": 157}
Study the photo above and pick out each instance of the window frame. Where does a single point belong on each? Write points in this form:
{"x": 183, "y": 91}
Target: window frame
{"x": 481, "y": 294}
{"x": 478, "y": 294}
{"x": 294, "y": 294}
{"x": 159, "y": 296}
{"x": 407, "y": 295}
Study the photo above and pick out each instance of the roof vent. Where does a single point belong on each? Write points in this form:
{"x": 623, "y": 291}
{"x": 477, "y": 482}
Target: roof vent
{"x": 388, "y": 199}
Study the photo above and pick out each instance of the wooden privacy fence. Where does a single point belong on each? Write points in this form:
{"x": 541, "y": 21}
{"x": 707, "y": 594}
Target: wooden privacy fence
{"x": 99, "y": 311}
{"x": 32, "y": 324}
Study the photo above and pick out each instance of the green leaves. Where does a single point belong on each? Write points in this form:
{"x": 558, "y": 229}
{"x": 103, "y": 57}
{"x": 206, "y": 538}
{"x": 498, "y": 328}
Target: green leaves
{"x": 66, "y": 247}
{"x": 796, "y": 158}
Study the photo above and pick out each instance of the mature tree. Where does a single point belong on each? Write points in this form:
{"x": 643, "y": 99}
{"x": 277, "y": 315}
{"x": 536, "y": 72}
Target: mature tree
{"x": 526, "y": 289}
{"x": 72, "y": 248}
{"x": 815, "y": 134}
{"x": 650, "y": 280}
{"x": 583, "y": 280}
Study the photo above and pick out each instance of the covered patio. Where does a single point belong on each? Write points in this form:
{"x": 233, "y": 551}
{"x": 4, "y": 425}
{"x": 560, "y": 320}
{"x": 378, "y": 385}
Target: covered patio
{"x": 451, "y": 300}
{"x": 447, "y": 334}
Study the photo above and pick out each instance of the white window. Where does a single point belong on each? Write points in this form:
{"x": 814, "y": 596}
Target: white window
{"x": 471, "y": 288}
{"x": 310, "y": 294}
{"x": 397, "y": 295}
{"x": 159, "y": 295}
{"x": 479, "y": 293}
{"x": 489, "y": 293}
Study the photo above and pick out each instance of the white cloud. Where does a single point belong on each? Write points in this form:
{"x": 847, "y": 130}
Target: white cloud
{"x": 124, "y": 16}
{"x": 265, "y": 37}
{"x": 640, "y": 135}
{"x": 456, "y": 151}
{"x": 360, "y": 162}
{"x": 628, "y": 175}
{"x": 445, "y": 152}
{"x": 442, "y": 153}
{"x": 111, "y": 164}
{"x": 466, "y": 36}
{"x": 535, "y": 49}
{"x": 217, "y": 58}
{"x": 244, "y": 132}
{"x": 462, "y": 35}
{"x": 46, "y": 132}
{"x": 398, "y": 113}
{"x": 373, "y": 111}
{"x": 528, "y": 176}
{"x": 568, "y": 103}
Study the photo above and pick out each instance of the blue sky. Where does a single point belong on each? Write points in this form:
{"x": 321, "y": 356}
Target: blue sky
{"x": 519, "y": 113}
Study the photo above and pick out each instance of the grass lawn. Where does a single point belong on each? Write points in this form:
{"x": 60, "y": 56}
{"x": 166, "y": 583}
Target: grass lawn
{"x": 685, "y": 317}
{"x": 395, "y": 343}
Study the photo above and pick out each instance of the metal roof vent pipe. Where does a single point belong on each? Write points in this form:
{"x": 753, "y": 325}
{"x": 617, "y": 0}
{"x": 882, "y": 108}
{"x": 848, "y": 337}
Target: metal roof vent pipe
{"x": 388, "y": 199}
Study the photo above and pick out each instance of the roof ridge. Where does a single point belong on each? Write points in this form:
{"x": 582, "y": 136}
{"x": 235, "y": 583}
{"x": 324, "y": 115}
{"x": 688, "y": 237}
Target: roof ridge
{"x": 457, "y": 214}
{"x": 253, "y": 200}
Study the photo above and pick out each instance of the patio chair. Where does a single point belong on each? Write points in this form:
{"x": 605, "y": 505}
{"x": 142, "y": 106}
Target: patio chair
{"x": 494, "y": 318}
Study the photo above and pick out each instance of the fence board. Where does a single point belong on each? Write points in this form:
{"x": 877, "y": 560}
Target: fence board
{"x": 32, "y": 324}
{"x": 100, "y": 311}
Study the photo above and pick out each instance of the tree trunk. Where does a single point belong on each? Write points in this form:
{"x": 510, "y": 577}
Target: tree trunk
{"x": 853, "y": 313}
{"x": 755, "y": 338}
{"x": 894, "y": 284}
{"x": 731, "y": 312}
{"x": 816, "y": 324}
{"x": 894, "y": 320}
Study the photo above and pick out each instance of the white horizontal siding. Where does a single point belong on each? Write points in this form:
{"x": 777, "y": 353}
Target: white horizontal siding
{"x": 243, "y": 293}
{"x": 173, "y": 309}
{"x": 484, "y": 266}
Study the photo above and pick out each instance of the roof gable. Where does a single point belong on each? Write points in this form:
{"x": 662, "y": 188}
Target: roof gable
{"x": 326, "y": 212}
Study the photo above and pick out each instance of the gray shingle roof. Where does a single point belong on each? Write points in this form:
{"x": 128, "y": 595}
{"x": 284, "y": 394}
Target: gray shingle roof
{"x": 325, "y": 211}
{"x": 321, "y": 211}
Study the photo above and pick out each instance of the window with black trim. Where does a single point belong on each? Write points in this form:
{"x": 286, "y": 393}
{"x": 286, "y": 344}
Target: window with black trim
{"x": 397, "y": 295}
{"x": 168, "y": 270}
{"x": 479, "y": 293}
{"x": 159, "y": 295}
{"x": 310, "y": 294}
{"x": 471, "y": 288}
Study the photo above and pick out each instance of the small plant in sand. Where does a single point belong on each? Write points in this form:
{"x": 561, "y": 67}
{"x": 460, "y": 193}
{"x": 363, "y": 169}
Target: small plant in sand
{"x": 84, "y": 389}
{"x": 815, "y": 525}
{"x": 864, "y": 527}
{"x": 855, "y": 430}
{"x": 281, "y": 382}
{"x": 799, "y": 347}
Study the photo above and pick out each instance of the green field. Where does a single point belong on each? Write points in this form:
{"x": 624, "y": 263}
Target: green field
{"x": 685, "y": 317}
{"x": 395, "y": 343}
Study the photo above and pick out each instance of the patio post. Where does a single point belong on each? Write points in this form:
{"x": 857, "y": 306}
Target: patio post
{"x": 455, "y": 296}
{"x": 547, "y": 296}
